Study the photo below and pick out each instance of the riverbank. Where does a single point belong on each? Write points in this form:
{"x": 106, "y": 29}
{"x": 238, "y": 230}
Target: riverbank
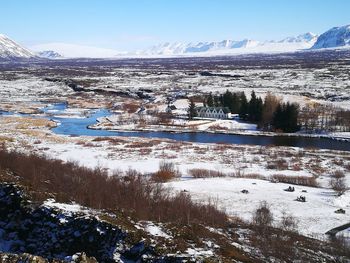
{"x": 144, "y": 154}
{"x": 334, "y": 136}
{"x": 96, "y": 122}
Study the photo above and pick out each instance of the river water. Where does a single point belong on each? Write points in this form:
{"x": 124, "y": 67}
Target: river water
{"x": 79, "y": 127}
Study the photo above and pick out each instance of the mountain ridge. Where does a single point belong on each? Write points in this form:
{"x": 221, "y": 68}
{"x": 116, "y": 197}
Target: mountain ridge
{"x": 336, "y": 37}
{"x": 10, "y": 50}
{"x": 299, "y": 42}
{"x": 333, "y": 38}
{"x": 49, "y": 54}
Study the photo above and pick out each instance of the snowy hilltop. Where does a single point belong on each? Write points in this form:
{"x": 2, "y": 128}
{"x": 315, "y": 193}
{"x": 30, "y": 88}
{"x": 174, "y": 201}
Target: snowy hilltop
{"x": 300, "y": 42}
{"x": 50, "y": 54}
{"x": 335, "y": 37}
{"x": 10, "y": 50}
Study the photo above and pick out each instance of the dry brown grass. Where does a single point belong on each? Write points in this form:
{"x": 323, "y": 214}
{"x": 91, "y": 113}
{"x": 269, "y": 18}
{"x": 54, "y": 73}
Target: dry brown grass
{"x": 338, "y": 174}
{"x": 132, "y": 193}
{"x": 278, "y": 164}
{"x": 204, "y": 173}
{"x": 217, "y": 127}
{"x": 167, "y": 171}
{"x": 143, "y": 144}
{"x": 31, "y": 108}
{"x": 30, "y": 123}
{"x": 4, "y": 139}
{"x": 297, "y": 180}
{"x": 131, "y": 107}
{"x": 111, "y": 140}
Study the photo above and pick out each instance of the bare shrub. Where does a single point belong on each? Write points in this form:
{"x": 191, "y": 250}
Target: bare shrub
{"x": 338, "y": 184}
{"x": 338, "y": 174}
{"x": 296, "y": 167}
{"x": 297, "y": 180}
{"x": 316, "y": 167}
{"x": 163, "y": 118}
{"x": 142, "y": 144}
{"x": 111, "y": 140}
{"x": 166, "y": 172}
{"x": 217, "y": 127}
{"x": 288, "y": 222}
{"x": 130, "y": 107}
{"x": 263, "y": 216}
{"x": 338, "y": 161}
{"x": 132, "y": 193}
{"x": 271, "y": 165}
{"x": 279, "y": 164}
{"x": 205, "y": 173}
{"x": 239, "y": 173}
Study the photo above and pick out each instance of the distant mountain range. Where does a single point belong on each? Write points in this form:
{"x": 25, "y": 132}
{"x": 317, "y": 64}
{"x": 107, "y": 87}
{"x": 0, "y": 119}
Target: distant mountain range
{"x": 333, "y": 38}
{"x": 50, "y": 54}
{"x": 304, "y": 41}
{"x": 337, "y": 37}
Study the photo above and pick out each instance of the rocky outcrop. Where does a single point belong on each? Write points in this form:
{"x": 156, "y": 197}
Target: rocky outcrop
{"x": 54, "y": 233}
{"x": 28, "y": 258}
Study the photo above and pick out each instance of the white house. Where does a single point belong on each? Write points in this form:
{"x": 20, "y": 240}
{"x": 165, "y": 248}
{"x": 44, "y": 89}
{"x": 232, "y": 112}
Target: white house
{"x": 213, "y": 112}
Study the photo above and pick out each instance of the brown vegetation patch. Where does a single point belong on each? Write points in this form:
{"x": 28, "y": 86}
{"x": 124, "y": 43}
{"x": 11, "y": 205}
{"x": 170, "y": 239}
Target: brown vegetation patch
{"x": 297, "y": 180}
{"x": 143, "y": 144}
{"x": 204, "y": 173}
{"x": 132, "y": 193}
{"x": 167, "y": 171}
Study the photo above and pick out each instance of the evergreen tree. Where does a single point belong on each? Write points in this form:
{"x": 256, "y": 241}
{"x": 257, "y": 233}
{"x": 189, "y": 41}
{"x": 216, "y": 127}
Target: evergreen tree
{"x": 217, "y": 101}
{"x": 210, "y": 100}
{"x": 291, "y": 113}
{"x": 227, "y": 99}
{"x": 192, "y": 112}
{"x": 259, "y": 109}
{"x": 243, "y": 111}
{"x": 252, "y": 107}
{"x": 255, "y": 108}
{"x": 286, "y": 117}
{"x": 235, "y": 103}
{"x": 278, "y": 118}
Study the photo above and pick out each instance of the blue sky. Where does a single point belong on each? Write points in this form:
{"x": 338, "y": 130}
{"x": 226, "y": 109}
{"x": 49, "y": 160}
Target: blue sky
{"x": 131, "y": 24}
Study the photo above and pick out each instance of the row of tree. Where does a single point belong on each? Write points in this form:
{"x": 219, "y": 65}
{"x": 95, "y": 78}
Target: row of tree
{"x": 269, "y": 114}
{"x": 316, "y": 117}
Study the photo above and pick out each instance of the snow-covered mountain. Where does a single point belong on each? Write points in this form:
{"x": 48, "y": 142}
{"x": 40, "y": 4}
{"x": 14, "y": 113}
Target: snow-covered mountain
{"x": 76, "y": 51}
{"x": 304, "y": 38}
{"x": 10, "y": 50}
{"x": 300, "y": 42}
{"x": 335, "y": 37}
{"x": 50, "y": 54}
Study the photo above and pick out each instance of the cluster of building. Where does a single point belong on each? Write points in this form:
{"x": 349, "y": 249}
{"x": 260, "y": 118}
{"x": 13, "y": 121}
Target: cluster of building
{"x": 214, "y": 112}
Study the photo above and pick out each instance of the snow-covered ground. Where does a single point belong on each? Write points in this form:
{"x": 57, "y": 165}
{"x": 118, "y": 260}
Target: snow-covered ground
{"x": 315, "y": 217}
{"x": 119, "y": 154}
{"x": 21, "y": 91}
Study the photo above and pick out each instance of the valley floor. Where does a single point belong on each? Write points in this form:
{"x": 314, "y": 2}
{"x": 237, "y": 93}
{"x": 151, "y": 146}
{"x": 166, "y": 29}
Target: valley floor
{"x": 242, "y": 167}
{"x": 236, "y": 163}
